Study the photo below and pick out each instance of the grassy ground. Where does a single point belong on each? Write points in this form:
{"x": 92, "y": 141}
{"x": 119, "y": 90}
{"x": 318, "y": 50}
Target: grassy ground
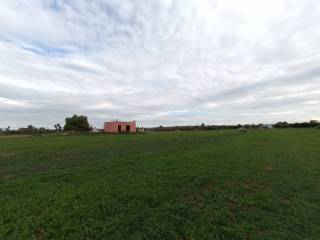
{"x": 184, "y": 185}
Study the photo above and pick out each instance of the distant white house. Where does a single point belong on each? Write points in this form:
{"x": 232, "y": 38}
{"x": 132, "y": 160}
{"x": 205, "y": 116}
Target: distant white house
{"x": 140, "y": 130}
{"x": 95, "y": 130}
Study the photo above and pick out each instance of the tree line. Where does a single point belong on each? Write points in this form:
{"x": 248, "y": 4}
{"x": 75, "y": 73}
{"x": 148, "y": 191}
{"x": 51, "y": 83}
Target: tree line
{"x": 76, "y": 123}
{"x": 79, "y": 123}
{"x": 310, "y": 124}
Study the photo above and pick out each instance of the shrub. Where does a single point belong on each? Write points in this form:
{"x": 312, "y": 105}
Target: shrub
{"x": 77, "y": 123}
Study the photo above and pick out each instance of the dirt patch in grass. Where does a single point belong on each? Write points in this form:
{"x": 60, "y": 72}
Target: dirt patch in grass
{"x": 285, "y": 201}
{"x": 7, "y": 154}
{"x": 197, "y": 198}
{"x": 268, "y": 168}
{"x": 14, "y": 136}
{"x": 232, "y": 202}
{"x": 39, "y": 233}
{"x": 7, "y": 176}
{"x": 206, "y": 188}
{"x": 253, "y": 186}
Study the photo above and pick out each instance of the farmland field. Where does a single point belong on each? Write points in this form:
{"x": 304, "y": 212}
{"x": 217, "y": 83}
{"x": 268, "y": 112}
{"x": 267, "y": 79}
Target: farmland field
{"x": 181, "y": 185}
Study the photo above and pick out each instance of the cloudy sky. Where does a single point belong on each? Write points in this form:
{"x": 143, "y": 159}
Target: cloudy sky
{"x": 168, "y": 62}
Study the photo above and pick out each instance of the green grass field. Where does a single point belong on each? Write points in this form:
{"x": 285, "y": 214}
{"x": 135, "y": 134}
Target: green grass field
{"x": 181, "y": 185}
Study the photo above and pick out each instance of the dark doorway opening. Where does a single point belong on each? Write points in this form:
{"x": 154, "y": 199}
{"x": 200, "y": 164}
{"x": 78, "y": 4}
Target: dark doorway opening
{"x": 119, "y": 128}
{"x": 128, "y": 128}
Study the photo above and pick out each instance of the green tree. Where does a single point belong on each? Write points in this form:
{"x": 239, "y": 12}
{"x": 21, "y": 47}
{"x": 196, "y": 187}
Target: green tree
{"x": 281, "y": 125}
{"x": 314, "y": 123}
{"x": 31, "y": 129}
{"x": 77, "y": 123}
{"x": 42, "y": 130}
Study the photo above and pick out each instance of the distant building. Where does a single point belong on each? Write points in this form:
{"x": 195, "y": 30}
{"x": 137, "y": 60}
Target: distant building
{"x": 95, "y": 130}
{"x": 120, "y": 127}
{"x": 140, "y": 130}
{"x": 265, "y": 126}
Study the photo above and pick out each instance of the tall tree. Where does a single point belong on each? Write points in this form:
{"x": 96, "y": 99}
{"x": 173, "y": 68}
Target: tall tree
{"x": 77, "y": 123}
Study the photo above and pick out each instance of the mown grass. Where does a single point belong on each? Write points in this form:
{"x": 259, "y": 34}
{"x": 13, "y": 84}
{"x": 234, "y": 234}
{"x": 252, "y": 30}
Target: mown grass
{"x": 183, "y": 185}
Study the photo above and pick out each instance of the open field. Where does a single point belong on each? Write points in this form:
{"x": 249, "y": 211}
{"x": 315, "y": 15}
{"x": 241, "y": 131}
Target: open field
{"x": 182, "y": 185}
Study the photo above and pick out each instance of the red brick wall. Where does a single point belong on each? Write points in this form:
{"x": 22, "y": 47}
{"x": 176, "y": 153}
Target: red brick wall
{"x": 112, "y": 127}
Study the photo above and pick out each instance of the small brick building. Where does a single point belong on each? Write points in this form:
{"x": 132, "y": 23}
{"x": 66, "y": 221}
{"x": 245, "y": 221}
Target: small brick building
{"x": 120, "y": 127}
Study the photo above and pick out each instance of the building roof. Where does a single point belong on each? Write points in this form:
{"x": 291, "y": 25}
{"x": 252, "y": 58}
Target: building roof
{"x": 120, "y": 122}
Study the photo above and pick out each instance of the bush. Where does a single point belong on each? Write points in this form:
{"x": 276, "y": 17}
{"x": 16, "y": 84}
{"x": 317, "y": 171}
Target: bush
{"x": 77, "y": 123}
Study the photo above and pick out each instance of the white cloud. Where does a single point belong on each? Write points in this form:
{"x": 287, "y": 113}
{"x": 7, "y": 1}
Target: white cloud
{"x": 8, "y": 103}
{"x": 160, "y": 62}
